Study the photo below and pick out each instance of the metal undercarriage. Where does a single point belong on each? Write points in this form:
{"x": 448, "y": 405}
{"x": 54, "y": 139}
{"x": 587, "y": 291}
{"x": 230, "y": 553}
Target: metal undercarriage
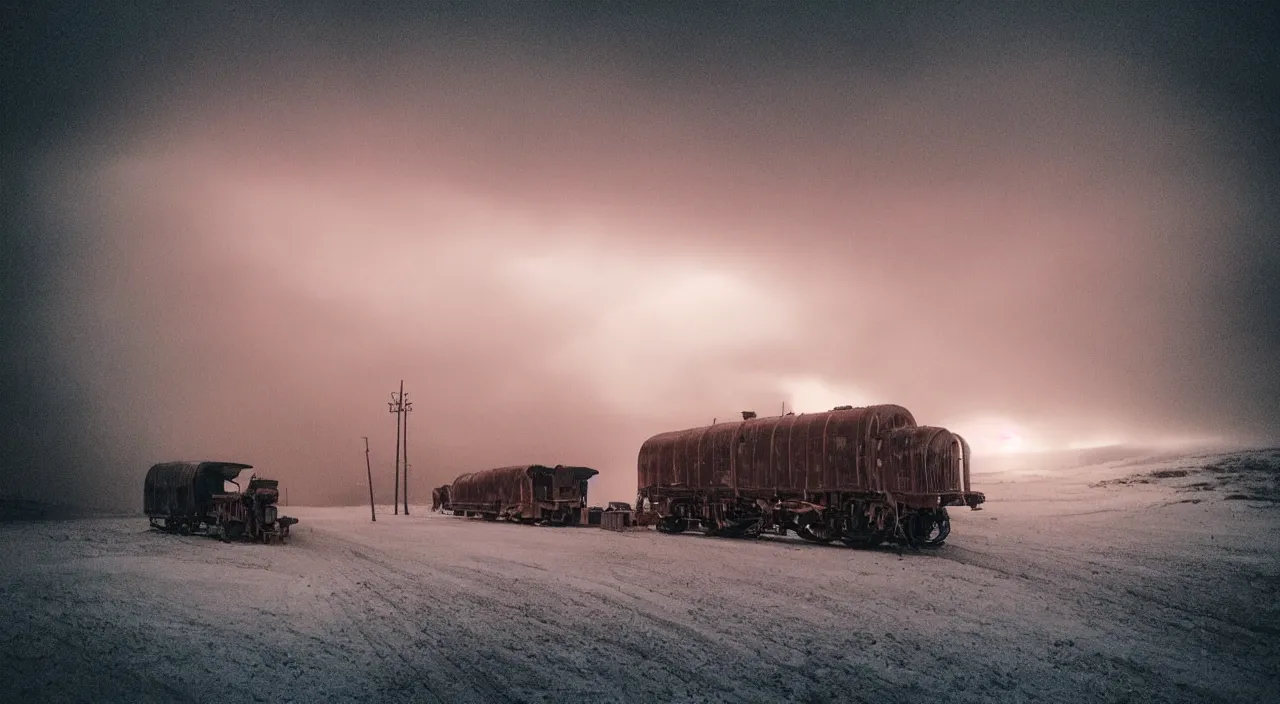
{"x": 857, "y": 519}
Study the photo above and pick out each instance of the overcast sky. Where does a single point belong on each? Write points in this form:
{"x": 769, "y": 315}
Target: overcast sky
{"x": 570, "y": 228}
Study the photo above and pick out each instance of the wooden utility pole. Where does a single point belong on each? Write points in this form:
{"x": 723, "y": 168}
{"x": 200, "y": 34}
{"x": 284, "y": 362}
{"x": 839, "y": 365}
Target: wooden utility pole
{"x": 394, "y": 406}
{"x": 400, "y": 405}
{"x": 368, "y": 468}
{"x": 405, "y": 406}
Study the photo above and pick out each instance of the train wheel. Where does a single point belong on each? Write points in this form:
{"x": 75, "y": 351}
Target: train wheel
{"x": 940, "y": 530}
{"x": 928, "y": 529}
{"x": 741, "y": 528}
{"x": 809, "y": 534}
{"x": 815, "y": 532}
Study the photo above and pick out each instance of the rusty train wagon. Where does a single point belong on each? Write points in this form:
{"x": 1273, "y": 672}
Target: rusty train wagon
{"x": 191, "y": 497}
{"x": 524, "y": 493}
{"x": 860, "y": 475}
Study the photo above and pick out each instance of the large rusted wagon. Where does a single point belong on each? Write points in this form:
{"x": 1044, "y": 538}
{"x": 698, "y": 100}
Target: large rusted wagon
{"x": 192, "y": 497}
{"x": 861, "y": 475}
{"x": 525, "y": 493}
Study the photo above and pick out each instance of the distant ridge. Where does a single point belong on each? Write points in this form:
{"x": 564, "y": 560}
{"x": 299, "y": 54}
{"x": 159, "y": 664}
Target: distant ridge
{"x": 15, "y": 508}
{"x": 1049, "y": 460}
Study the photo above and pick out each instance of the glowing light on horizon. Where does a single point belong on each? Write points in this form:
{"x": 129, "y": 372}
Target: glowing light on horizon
{"x": 995, "y": 435}
{"x": 1011, "y": 441}
{"x": 1093, "y": 444}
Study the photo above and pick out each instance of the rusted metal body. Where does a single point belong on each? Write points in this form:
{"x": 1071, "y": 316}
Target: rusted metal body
{"x": 191, "y": 497}
{"x": 862, "y": 475}
{"x": 525, "y": 493}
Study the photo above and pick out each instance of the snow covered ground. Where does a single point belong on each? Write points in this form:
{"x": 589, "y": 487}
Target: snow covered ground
{"x": 1101, "y": 583}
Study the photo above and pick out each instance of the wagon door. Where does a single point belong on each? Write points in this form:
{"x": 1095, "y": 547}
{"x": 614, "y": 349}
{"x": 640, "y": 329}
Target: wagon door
{"x": 543, "y": 486}
{"x": 527, "y": 502}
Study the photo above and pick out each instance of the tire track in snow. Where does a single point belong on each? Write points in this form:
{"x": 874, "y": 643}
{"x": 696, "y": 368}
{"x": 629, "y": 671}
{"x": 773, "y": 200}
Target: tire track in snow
{"x": 398, "y": 631}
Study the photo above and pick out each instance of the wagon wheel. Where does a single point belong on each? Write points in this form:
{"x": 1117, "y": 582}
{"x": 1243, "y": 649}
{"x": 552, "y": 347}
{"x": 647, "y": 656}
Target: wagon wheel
{"x": 741, "y": 528}
{"x": 815, "y": 532}
{"x": 928, "y": 530}
{"x": 938, "y": 531}
{"x": 810, "y": 527}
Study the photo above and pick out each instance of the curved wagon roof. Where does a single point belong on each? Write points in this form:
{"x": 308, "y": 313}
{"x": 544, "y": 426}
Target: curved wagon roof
{"x": 184, "y": 471}
{"x": 837, "y": 449}
{"x": 516, "y": 471}
{"x": 870, "y": 419}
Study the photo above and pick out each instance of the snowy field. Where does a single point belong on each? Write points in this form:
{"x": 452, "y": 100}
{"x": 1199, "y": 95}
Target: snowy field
{"x": 1140, "y": 580}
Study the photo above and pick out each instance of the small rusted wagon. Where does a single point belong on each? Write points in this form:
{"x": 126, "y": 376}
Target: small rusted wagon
{"x": 524, "y": 493}
{"x": 192, "y": 497}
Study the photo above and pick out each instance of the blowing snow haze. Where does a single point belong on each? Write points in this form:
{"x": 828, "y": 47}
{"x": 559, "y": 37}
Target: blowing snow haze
{"x": 232, "y": 233}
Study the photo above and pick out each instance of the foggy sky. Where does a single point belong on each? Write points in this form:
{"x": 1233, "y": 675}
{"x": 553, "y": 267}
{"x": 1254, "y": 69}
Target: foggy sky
{"x": 571, "y": 228}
